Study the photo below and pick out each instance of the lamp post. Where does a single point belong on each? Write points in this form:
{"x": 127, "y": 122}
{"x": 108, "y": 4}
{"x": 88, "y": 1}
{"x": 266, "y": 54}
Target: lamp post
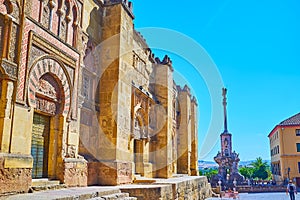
{"x": 220, "y": 182}
{"x": 234, "y": 183}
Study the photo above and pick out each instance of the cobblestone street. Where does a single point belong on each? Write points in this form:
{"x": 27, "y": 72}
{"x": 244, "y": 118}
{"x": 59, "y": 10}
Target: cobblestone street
{"x": 260, "y": 196}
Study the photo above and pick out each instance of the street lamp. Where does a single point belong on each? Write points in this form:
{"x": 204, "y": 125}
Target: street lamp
{"x": 234, "y": 183}
{"x": 220, "y": 182}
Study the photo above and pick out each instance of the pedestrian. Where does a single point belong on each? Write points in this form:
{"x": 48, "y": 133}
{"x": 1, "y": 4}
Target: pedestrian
{"x": 291, "y": 189}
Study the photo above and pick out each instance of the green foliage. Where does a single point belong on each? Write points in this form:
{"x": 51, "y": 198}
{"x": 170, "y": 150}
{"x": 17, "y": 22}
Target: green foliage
{"x": 208, "y": 172}
{"x": 247, "y": 172}
{"x": 258, "y": 170}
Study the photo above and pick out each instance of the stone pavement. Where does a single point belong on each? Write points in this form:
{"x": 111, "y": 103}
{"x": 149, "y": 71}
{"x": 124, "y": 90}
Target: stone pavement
{"x": 261, "y": 196}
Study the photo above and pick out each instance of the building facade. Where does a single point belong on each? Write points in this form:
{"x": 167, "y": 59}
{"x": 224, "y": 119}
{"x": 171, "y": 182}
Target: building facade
{"x": 285, "y": 150}
{"x": 85, "y": 101}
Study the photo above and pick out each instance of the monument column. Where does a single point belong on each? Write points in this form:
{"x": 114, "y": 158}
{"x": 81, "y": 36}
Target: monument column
{"x": 226, "y": 159}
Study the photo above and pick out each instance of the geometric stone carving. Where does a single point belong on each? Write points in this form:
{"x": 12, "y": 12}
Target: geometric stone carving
{"x": 9, "y": 68}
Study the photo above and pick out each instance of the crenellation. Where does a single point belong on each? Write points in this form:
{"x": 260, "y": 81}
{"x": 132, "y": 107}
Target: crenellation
{"x": 194, "y": 100}
{"x": 167, "y": 61}
{"x": 128, "y": 6}
{"x": 139, "y": 37}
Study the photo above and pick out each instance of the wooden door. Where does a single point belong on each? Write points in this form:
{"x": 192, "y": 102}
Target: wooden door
{"x": 40, "y": 145}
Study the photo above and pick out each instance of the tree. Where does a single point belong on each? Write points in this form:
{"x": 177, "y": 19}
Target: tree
{"x": 208, "y": 172}
{"x": 247, "y": 172}
{"x": 261, "y": 169}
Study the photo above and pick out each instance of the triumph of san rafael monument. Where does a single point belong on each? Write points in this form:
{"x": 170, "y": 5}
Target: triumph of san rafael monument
{"x": 227, "y": 160}
{"x": 84, "y": 101}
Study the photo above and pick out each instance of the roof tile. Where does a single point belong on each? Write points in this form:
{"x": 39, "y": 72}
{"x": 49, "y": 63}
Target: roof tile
{"x": 294, "y": 120}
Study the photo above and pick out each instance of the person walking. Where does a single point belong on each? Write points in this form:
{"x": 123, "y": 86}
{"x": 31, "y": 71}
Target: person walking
{"x": 291, "y": 189}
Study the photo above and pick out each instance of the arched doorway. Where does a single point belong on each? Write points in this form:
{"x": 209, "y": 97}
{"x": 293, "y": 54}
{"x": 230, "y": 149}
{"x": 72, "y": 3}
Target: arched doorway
{"x": 48, "y": 97}
{"x": 138, "y": 149}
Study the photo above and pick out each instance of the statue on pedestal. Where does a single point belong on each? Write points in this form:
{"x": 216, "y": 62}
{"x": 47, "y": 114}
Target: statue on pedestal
{"x": 227, "y": 160}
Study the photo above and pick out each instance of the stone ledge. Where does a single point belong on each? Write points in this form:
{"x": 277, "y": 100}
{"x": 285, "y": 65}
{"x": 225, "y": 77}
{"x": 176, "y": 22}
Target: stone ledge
{"x": 180, "y": 187}
{"x": 17, "y": 161}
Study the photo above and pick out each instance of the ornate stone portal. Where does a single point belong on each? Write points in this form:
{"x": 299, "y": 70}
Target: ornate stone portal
{"x": 227, "y": 160}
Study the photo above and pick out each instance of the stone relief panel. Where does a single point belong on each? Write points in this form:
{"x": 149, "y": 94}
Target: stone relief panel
{"x": 47, "y": 95}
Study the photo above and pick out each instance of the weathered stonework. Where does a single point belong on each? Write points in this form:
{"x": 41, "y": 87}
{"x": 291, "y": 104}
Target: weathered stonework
{"x": 15, "y": 173}
{"x": 84, "y": 101}
{"x": 75, "y": 172}
{"x": 189, "y": 188}
{"x": 39, "y": 67}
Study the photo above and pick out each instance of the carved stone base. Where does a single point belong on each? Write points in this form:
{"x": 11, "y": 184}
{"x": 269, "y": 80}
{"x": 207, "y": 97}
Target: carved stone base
{"x": 75, "y": 172}
{"x": 109, "y": 173}
{"x": 15, "y": 173}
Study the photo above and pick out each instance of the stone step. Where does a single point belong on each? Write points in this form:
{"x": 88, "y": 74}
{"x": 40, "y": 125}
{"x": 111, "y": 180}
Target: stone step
{"x": 143, "y": 181}
{"x": 116, "y": 196}
{"x": 45, "y": 184}
{"x": 138, "y": 179}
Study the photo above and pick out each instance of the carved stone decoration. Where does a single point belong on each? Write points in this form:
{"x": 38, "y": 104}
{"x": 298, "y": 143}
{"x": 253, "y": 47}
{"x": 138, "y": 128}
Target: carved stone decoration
{"x": 47, "y": 89}
{"x": 46, "y": 106}
{"x": 75, "y": 173}
{"x": 15, "y": 10}
{"x": 13, "y": 43}
{"x": 71, "y": 151}
{"x": 45, "y": 95}
{"x": 8, "y": 98}
{"x": 64, "y": 19}
{"x": 35, "y": 52}
{"x": 226, "y": 159}
{"x": 9, "y": 68}
{"x": 46, "y": 14}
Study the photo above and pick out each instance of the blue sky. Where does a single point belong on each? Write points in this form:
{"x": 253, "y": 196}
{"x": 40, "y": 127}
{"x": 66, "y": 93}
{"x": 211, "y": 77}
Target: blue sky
{"x": 254, "y": 44}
